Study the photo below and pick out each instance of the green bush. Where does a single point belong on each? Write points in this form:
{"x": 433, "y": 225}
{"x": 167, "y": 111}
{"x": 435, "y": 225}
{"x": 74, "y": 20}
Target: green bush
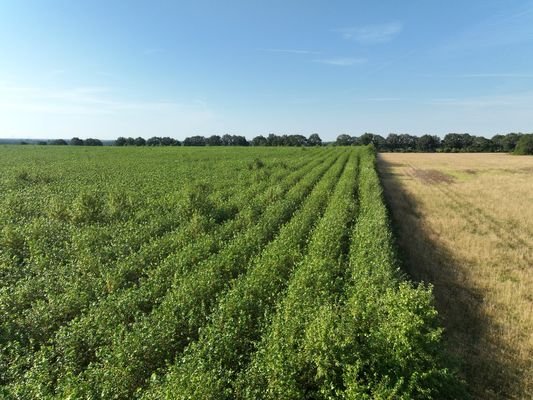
{"x": 524, "y": 145}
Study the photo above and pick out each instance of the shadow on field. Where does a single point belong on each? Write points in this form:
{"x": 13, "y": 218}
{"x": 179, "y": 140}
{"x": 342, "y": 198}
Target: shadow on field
{"x": 468, "y": 330}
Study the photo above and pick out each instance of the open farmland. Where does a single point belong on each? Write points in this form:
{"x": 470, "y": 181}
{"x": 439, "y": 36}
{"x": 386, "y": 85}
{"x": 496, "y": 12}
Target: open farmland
{"x": 465, "y": 222}
{"x": 207, "y": 273}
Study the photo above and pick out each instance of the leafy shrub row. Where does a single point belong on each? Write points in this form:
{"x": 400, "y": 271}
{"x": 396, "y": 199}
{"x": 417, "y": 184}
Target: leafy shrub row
{"x": 209, "y": 365}
{"x": 280, "y": 368}
{"x": 188, "y": 242}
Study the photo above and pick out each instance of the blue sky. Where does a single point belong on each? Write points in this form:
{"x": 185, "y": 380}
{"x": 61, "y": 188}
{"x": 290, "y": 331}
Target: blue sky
{"x": 179, "y": 68}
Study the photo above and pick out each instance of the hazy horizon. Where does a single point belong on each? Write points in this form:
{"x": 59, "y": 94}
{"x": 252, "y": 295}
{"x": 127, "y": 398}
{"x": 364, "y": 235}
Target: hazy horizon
{"x": 178, "y": 69}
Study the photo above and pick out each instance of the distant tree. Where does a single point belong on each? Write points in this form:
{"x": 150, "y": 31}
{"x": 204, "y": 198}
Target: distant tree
{"x": 238, "y": 140}
{"x": 407, "y": 143}
{"x": 457, "y": 142}
{"x": 344, "y": 140}
{"x": 428, "y": 143}
{"x": 452, "y": 142}
{"x": 75, "y": 141}
{"x": 524, "y": 145}
{"x": 93, "y": 142}
{"x": 214, "y": 140}
{"x": 42, "y": 143}
{"x": 296, "y": 140}
{"x": 481, "y": 144}
{"x": 378, "y": 141}
{"x": 259, "y": 141}
{"x": 314, "y": 140}
{"x": 58, "y": 142}
{"x": 510, "y": 141}
{"x": 369, "y": 138}
{"x": 154, "y": 141}
{"x": 140, "y": 141}
{"x": 274, "y": 140}
{"x": 194, "y": 141}
{"x": 121, "y": 141}
{"x": 356, "y": 141}
{"x": 497, "y": 143}
{"x": 130, "y": 141}
{"x": 366, "y": 138}
{"x": 168, "y": 141}
{"x": 392, "y": 142}
{"x": 227, "y": 140}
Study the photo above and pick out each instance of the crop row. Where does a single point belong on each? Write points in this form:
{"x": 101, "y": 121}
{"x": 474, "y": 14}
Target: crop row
{"x": 279, "y": 367}
{"x": 141, "y": 319}
{"x": 24, "y": 330}
{"x": 208, "y": 366}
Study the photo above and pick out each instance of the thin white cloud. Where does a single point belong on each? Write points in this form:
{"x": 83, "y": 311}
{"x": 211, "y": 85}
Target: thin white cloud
{"x": 291, "y": 51}
{"x": 341, "y": 61}
{"x": 372, "y": 34}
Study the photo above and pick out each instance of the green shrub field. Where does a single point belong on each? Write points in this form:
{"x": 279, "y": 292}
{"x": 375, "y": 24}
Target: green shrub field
{"x": 207, "y": 273}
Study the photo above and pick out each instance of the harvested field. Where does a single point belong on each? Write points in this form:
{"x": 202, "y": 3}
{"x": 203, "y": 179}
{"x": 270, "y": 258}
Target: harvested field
{"x": 465, "y": 224}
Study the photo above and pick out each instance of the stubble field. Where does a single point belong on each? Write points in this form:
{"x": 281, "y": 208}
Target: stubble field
{"x": 465, "y": 224}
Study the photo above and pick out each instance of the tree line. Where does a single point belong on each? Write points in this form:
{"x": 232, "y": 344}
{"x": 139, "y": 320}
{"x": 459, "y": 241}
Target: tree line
{"x": 75, "y": 141}
{"x": 518, "y": 143}
{"x": 224, "y": 140}
{"x": 452, "y": 142}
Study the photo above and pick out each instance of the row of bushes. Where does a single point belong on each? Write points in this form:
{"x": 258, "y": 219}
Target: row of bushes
{"x": 209, "y": 365}
{"x": 78, "y": 343}
{"x": 125, "y": 366}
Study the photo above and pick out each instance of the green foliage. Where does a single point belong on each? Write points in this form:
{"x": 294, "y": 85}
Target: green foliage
{"x": 256, "y": 164}
{"x": 524, "y": 145}
{"x": 87, "y": 207}
{"x": 207, "y": 273}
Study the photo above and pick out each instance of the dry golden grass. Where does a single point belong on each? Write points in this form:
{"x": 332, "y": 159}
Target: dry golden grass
{"x": 465, "y": 224}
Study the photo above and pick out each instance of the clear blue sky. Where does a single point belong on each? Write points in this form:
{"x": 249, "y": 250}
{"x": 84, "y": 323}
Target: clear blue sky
{"x": 179, "y": 68}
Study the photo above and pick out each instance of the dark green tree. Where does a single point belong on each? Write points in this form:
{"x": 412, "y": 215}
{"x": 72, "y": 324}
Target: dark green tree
{"x": 168, "y": 141}
{"x": 314, "y": 140}
{"x": 121, "y": 141}
{"x": 75, "y": 141}
{"x": 480, "y": 144}
{"x": 428, "y": 143}
{"x": 524, "y": 145}
{"x": 58, "y": 142}
{"x": 214, "y": 140}
{"x": 238, "y": 140}
{"x": 392, "y": 142}
{"x": 344, "y": 140}
{"x": 194, "y": 141}
{"x": 296, "y": 140}
{"x": 154, "y": 141}
{"x": 456, "y": 142}
{"x": 259, "y": 141}
{"x": 140, "y": 141}
{"x": 93, "y": 142}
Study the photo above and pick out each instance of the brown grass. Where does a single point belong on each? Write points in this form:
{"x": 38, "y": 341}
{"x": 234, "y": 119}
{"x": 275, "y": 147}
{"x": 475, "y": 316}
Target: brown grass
{"x": 465, "y": 224}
